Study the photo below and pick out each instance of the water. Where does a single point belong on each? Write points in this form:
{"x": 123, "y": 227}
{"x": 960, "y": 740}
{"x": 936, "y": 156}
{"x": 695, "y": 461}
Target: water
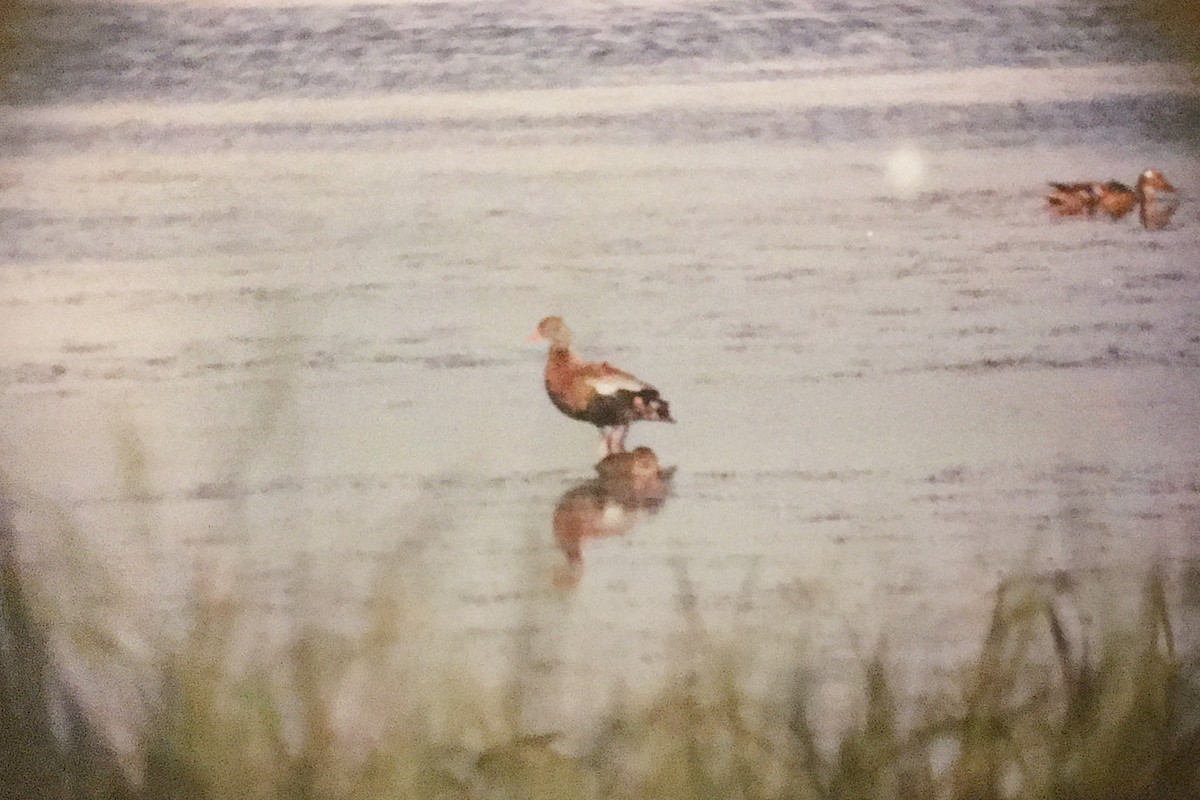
{"x": 295, "y": 253}
{"x": 107, "y": 51}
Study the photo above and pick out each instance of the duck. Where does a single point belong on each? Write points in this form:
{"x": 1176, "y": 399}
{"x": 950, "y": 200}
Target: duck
{"x": 1086, "y": 198}
{"x": 1153, "y": 196}
{"x": 1158, "y": 200}
{"x": 596, "y": 392}
{"x": 1073, "y": 199}
{"x": 1115, "y": 198}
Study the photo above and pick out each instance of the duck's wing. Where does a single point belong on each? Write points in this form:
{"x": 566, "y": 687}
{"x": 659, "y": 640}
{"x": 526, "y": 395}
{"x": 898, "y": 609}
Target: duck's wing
{"x": 622, "y": 397}
{"x": 606, "y": 379}
{"x": 1072, "y": 198}
{"x": 1060, "y": 200}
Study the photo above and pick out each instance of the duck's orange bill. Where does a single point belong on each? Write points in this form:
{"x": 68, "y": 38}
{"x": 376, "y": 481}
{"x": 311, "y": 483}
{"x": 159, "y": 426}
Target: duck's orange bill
{"x": 535, "y": 337}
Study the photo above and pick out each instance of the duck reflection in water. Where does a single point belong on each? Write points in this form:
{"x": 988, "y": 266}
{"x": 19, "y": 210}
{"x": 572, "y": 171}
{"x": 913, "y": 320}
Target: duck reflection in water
{"x": 628, "y": 486}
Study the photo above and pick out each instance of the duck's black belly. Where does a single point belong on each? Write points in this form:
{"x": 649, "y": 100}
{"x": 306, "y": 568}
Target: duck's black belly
{"x": 607, "y": 410}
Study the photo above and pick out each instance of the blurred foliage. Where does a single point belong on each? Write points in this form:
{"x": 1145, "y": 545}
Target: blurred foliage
{"x": 323, "y": 715}
{"x": 1178, "y": 21}
{"x": 1175, "y": 26}
{"x": 11, "y": 19}
{"x": 96, "y": 701}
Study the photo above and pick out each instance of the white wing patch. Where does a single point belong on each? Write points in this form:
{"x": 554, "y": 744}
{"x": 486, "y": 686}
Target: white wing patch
{"x": 611, "y": 384}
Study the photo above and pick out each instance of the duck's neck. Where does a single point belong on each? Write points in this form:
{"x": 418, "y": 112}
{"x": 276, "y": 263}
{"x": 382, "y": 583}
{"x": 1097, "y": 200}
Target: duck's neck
{"x": 562, "y": 354}
{"x": 560, "y": 367}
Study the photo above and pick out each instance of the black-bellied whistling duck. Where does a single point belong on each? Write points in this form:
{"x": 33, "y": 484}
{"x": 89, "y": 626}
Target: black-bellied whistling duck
{"x": 1115, "y": 198}
{"x": 1072, "y": 199}
{"x": 1153, "y": 196}
{"x": 1086, "y": 198}
{"x": 596, "y": 392}
{"x": 1158, "y": 199}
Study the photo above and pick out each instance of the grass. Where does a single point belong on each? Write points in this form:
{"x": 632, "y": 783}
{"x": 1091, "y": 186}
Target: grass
{"x": 1043, "y": 713}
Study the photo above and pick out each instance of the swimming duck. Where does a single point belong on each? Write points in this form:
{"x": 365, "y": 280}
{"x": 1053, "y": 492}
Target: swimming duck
{"x": 1153, "y": 196}
{"x": 1158, "y": 199}
{"x": 1072, "y": 199}
{"x": 1115, "y": 198}
{"x": 1086, "y": 198}
{"x": 596, "y": 392}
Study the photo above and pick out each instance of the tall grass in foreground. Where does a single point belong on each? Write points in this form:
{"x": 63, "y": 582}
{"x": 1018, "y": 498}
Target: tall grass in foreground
{"x": 325, "y": 716}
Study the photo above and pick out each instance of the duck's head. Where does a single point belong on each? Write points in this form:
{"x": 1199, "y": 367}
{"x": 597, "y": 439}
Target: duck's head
{"x": 553, "y": 330}
{"x": 1153, "y": 179}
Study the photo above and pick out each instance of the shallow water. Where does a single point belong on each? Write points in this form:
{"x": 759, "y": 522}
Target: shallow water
{"x": 891, "y": 392}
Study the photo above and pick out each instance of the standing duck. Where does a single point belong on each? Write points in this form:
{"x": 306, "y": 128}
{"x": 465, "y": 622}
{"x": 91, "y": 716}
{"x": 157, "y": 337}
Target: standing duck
{"x": 596, "y": 392}
{"x": 1158, "y": 200}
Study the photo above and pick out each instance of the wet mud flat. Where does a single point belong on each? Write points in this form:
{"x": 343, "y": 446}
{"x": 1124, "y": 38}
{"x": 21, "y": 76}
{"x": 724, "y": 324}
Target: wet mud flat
{"x": 888, "y": 398}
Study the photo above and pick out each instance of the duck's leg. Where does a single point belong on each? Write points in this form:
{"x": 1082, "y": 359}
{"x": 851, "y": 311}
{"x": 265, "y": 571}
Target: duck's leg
{"x": 612, "y": 439}
{"x": 616, "y": 438}
{"x": 605, "y": 442}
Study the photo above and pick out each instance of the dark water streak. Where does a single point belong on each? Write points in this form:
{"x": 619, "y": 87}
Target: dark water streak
{"x": 1113, "y": 120}
{"x": 77, "y": 52}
